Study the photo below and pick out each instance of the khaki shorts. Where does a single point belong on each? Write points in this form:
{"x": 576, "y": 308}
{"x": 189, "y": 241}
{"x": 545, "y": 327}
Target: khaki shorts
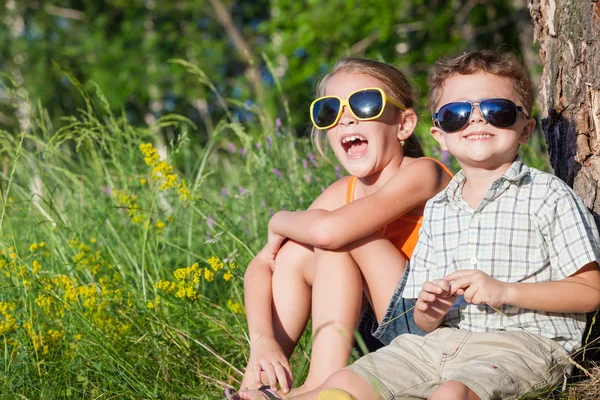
{"x": 495, "y": 365}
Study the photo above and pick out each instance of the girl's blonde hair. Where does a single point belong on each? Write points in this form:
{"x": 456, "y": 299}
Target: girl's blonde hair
{"x": 396, "y": 87}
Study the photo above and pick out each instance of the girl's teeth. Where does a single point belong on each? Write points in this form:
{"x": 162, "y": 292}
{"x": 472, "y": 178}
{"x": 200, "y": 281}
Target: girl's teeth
{"x": 352, "y": 138}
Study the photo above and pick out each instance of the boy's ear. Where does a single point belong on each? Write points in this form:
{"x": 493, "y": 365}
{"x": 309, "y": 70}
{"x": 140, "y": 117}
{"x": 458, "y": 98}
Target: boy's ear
{"x": 408, "y": 123}
{"x": 438, "y": 134}
{"x": 527, "y": 131}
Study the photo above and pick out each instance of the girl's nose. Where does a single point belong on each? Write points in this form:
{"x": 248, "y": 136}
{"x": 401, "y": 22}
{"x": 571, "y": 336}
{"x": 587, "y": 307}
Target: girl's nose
{"x": 347, "y": 118}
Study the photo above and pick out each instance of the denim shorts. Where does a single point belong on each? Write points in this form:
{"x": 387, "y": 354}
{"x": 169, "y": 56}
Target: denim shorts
{"x": 398, "y": 319}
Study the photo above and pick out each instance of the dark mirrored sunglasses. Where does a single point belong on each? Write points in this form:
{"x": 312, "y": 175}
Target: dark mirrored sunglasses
{"x": 501, "y": 113}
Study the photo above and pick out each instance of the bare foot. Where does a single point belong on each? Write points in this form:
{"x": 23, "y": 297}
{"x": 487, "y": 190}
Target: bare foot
{"x": 260, "y": 394}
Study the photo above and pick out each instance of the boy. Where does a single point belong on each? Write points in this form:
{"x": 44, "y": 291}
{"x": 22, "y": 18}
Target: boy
{"x": 507, "y": 259}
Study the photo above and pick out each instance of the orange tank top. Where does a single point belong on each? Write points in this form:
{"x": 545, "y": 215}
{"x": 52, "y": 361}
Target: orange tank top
{"x": 403, "y": 232}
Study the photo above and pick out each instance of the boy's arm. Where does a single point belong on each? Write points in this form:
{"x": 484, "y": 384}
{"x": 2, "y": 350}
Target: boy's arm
{"x": 578, "y": 293}
{"x": 573, "y": 246}
{"x": 433, "y": 296}
{"x": 334, "y": 228}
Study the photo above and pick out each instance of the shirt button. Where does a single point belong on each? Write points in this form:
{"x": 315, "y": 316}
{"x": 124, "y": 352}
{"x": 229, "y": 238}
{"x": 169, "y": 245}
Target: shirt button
{"x": 473, "y": 261}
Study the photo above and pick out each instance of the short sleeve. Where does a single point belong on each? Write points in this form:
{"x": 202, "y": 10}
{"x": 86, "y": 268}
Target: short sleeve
{"x": 571, "y": 235}
{"x": 421, "y": 263}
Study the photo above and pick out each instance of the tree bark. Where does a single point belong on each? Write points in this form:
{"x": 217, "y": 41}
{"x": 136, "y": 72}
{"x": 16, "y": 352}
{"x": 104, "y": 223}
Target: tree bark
{"x": 568, "y": 32}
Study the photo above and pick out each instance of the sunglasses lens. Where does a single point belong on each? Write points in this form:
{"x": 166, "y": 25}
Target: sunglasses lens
{"x": 366, "y": 103}
{"x": 454, "y": 116}
{"x": 325, "y": 112}
{"x": 501, "y": 113}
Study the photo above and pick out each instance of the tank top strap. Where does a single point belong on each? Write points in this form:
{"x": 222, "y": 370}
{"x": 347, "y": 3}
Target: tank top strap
{"x": 441, "y": 164}
{"x": 350, "y": 190}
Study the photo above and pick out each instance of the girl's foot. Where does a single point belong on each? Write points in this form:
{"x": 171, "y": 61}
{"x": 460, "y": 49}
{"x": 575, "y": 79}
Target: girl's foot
{"x": 263, "y": 393}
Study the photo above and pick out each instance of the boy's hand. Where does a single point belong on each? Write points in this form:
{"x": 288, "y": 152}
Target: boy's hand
{"x": 267, "y": 356}
{"x": 435, "y": 299}
{"x": 478, "y": 287}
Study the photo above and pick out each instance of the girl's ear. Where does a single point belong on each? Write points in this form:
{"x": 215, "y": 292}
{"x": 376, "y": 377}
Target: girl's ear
{"x": 438, "y": 135}
{"x": 527, "y": 131}
{"x": 408, "y": 123}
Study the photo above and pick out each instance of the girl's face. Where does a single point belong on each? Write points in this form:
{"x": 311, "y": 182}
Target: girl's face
{"x": 364, "y": 148}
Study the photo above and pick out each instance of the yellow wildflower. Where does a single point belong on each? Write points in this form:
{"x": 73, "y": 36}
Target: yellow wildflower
{"x": 227, "y": 276}
{"x": 36, "y": 266}
{"x": 160, "y": 225}
{"x": 235, "y": 307}
{"x": 42, "y": 244}
{"x": 209, "y": 275}
{"x": 33, "y": 247}
{"x": 143, "y": 181}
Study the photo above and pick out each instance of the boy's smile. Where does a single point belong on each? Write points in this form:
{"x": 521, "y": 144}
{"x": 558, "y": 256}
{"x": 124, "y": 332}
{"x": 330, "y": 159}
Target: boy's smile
{"x": 480, "y": 144}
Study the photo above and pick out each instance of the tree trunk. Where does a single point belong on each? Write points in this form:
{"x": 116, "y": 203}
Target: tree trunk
{"x": 569, "y": 35}
{"x": 568, "y": 32}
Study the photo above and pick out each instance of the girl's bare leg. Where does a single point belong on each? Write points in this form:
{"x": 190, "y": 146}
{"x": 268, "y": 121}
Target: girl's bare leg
{"x": 336, "y": 305}
{"x": 291, "y": 287}
{"x": 381, "y": 266}
{"x": 372, "y": 265}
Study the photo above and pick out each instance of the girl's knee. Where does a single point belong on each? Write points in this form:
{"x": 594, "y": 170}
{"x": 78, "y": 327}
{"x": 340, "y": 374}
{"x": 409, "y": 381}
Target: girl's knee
{"x": 453, "y": 390}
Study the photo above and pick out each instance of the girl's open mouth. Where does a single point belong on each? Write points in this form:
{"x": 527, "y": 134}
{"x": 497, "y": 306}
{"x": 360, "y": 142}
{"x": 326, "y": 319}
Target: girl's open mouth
{"x": 355, "y": 145}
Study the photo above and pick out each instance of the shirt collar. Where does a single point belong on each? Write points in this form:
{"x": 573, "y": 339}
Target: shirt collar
{"x": 513, "y": 174}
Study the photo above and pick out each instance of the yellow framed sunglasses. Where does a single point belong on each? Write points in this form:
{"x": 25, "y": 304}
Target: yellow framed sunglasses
{"x": 364, "y": 104}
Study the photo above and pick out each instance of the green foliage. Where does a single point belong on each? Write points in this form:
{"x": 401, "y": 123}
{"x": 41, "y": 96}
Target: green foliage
{"x": 124, "y": 47}
{"x": 95, "y": 228}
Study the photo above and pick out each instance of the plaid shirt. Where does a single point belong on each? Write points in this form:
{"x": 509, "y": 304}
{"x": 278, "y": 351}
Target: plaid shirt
{"x": 529, "y": 227}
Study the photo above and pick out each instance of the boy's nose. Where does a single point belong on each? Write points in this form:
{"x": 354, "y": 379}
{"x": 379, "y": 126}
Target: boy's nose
{"x": 476, "y": 115}
{"x": 347, "y": 118}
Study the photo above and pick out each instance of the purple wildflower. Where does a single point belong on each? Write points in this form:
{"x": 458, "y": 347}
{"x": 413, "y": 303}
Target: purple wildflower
{"x": 223, "y": 192}
{"x": 263, "y": 204}
{"x": 241, "y": 190}
{"x": 311, "y": 157}
{"x": 446, "y": 158}
{"x": 257, "y": 145}
{"x": 338, "y": 171}
{"x": 107, "y": 191}
{"x": 305, "y": 164}
{"x": 277, "y": 172}
{"x": 278, "y": 126}
{"x": 271, "y": 213}
{"x": 231, "y": 148}
{"x": 210, "y": 222}
{"x": 268, "y": 142}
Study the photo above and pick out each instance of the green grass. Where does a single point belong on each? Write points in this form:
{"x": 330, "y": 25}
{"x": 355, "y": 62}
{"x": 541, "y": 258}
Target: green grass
{"x": 87, "y": 233}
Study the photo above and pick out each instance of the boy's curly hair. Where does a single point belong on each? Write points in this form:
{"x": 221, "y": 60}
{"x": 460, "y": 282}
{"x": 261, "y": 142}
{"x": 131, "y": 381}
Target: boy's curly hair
{"x": 490, "y": 61}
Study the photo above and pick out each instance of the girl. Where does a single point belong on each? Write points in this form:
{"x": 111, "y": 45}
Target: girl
{"x": 352, "y": 243}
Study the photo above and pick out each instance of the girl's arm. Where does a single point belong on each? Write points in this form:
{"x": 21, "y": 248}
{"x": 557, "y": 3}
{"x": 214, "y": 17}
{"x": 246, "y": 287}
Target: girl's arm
{"x": 258, "y": 296}
{"x": 412, "y": 186}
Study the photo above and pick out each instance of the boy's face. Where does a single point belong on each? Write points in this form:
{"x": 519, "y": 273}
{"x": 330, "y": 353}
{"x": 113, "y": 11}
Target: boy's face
{"x": 480, "y": 144}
